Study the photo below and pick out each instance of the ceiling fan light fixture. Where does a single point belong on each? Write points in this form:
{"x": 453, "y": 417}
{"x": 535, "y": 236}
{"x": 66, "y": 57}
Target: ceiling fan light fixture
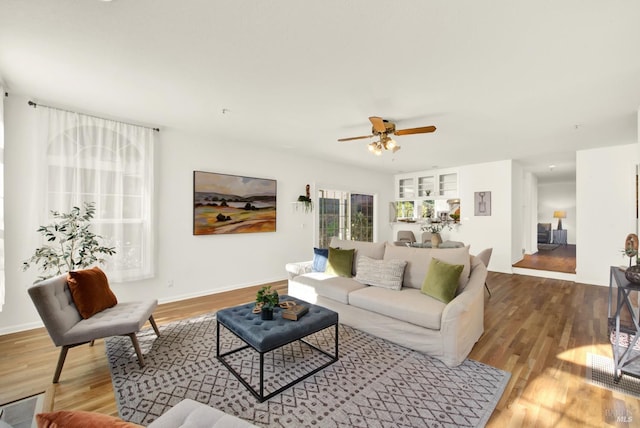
{"x": 382, "y": 128}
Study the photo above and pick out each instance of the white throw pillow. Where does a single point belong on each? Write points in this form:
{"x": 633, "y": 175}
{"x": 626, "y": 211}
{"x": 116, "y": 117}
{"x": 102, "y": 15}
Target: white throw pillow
{"x": 380, "y": 273}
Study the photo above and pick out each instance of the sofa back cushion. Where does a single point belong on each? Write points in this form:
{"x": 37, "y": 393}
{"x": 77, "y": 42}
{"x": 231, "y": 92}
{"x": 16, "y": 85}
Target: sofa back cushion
{"x": 419, "y": 260}
{"x": 374, "y": 250}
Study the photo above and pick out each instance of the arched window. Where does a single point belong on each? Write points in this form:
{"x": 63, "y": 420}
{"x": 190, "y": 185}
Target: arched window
{"x": 110, "y": 164}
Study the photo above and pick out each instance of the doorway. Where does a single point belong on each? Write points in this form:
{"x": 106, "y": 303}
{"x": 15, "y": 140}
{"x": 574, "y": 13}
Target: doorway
{"x": 555, "y": 219}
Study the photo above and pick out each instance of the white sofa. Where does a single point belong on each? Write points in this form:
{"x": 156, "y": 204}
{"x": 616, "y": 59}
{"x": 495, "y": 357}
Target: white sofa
{"x": 192, "y": 414}
{"x": 406, "y": 316}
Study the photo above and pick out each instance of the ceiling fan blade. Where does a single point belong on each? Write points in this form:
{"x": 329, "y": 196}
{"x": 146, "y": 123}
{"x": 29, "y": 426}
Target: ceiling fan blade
{"x": 355, "y": 138}
{"x": 421, "y": 130}
{"x": 378, "y": 123}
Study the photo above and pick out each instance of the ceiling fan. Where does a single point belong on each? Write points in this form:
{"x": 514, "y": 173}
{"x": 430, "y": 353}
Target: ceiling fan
{"x": 382, "y": 128}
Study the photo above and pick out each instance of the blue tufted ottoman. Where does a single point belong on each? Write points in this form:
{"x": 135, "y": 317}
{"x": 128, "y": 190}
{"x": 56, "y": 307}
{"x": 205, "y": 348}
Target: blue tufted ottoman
{"x": 265, "y": 336}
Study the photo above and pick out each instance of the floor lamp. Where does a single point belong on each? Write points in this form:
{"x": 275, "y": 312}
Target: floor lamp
{"x": 559, "y": 215}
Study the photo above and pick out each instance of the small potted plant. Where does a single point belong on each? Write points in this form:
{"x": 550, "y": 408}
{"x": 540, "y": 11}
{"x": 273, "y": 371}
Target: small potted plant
{"x": 306, "y": 199}
{"x": 267, "y": 299}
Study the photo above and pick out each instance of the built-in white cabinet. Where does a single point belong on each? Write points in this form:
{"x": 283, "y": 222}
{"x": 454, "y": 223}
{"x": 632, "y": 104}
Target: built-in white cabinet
{"x": 424, "y": 194}
{"x": 432, "y": 184}
{"x": 426, "y": 186}
{"x": 448, "y": 184}
{"x": 405, "y": 188}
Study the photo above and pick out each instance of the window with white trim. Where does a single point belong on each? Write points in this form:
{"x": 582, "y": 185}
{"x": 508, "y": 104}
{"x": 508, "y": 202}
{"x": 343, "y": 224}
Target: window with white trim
{"x": 345, "y": 215}
{"x": 111, "y": 164}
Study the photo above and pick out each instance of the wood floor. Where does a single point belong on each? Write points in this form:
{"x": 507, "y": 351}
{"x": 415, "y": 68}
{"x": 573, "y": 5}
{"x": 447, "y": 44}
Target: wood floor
{"x": 561, "y": 259}
{"x": 538, "y": 329}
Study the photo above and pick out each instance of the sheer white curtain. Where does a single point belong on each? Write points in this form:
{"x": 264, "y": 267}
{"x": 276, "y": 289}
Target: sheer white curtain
{"x": 110, "y": 163}
{"x": 1, "y": 197}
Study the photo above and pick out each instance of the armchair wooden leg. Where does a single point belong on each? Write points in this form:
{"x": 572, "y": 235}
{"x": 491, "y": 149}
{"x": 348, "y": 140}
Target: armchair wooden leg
{"x": 61, "y": 358}
{"x": 154, "y": 325}
{"x": 136, "y": 346}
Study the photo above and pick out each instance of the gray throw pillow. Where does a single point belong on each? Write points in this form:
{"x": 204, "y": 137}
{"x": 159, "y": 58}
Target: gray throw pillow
{"x": 381, "y": 273}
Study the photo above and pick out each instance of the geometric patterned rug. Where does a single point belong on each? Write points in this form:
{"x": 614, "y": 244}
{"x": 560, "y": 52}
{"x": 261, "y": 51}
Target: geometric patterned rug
{"x": 600, "y": 373}
{"x": 375, "y": 383}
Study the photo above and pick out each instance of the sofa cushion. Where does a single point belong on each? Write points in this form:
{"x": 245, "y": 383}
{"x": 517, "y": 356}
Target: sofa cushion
{"x": 320, "y": 256}
{"x": 339, "y": 262}
{"x": 192, "y": 414}
{"x": 80, "y": 419}
{"x": 375, "y": 250}
{"x": 418, "y": 260}
{"x": 408, "y": 305}
{"x": 317, "y": 283}
{"x": 381, "y": 273}
{"x": 441, "y": 281}
{"x": 90, "y": 291}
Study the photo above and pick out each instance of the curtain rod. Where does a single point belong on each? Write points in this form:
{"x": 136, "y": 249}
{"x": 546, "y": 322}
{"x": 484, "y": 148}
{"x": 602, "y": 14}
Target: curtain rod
{"x": 34, "y": 105}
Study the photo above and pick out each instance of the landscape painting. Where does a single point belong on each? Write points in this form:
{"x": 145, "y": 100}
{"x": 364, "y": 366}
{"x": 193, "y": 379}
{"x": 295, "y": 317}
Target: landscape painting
{"x": 232, "y": 204}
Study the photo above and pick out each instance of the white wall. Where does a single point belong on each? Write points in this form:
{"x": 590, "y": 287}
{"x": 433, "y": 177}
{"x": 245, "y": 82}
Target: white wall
{"x": 487, "y": 231}
{"x": 518, "y": 240}
{"x": 197, "y": 265}
{"x": 530, "y": 213}
{"x": 605, "y": 201}
{"x": 558, "y": 196}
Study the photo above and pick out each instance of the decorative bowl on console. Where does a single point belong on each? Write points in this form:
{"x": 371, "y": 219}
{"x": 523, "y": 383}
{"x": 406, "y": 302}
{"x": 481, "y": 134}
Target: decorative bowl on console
{"x": 633, "y": 274}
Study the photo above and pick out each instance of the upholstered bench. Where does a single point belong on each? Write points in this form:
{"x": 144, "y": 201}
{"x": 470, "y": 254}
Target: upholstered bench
{"x": 265, "y": 336}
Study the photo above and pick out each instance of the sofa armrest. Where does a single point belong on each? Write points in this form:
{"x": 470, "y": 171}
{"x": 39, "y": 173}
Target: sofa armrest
{"x": 462, "y": 321}
{"x": 298, "y": 268}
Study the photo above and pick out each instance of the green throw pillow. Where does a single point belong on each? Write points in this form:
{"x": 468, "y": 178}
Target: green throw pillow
{"x": 340, "y": 262}
{"x": 441, "y": 281}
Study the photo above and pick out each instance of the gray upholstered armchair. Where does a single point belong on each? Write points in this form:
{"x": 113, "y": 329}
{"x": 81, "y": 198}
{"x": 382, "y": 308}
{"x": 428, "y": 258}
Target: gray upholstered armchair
{"x": 67, "y": 328}
{"x": 544, "y": 233}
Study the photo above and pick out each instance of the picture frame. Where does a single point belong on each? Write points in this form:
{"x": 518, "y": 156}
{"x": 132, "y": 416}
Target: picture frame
{"x": 229, "y": 204}
{"x": 482, "y": 203}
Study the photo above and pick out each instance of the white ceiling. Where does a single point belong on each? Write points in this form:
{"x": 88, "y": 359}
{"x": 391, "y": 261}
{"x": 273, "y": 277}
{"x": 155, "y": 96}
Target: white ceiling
{"x": 506, "y": 79}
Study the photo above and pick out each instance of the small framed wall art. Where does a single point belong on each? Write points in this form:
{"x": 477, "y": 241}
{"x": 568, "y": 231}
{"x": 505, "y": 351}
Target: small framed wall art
{"x": 225, "y": 203}
{"x": 482, "y": 203}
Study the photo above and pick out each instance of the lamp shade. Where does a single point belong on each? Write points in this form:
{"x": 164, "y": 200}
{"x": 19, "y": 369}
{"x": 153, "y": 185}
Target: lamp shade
{"x": 559, "y": 215}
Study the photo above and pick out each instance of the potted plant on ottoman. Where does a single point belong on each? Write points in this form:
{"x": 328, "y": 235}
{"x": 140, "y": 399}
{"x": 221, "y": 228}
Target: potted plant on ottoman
{"x": 266, "y": 300}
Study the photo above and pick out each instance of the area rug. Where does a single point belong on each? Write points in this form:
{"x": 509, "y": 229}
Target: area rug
{"x": 600, "y": 373}
{"x": 374, "y": 383}
{"x": 547, "y": 247}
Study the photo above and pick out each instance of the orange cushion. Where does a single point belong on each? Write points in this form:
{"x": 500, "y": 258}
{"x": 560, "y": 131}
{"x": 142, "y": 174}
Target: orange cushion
{"x": 90, "y": 291}
{"x": 80, "y": 419}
